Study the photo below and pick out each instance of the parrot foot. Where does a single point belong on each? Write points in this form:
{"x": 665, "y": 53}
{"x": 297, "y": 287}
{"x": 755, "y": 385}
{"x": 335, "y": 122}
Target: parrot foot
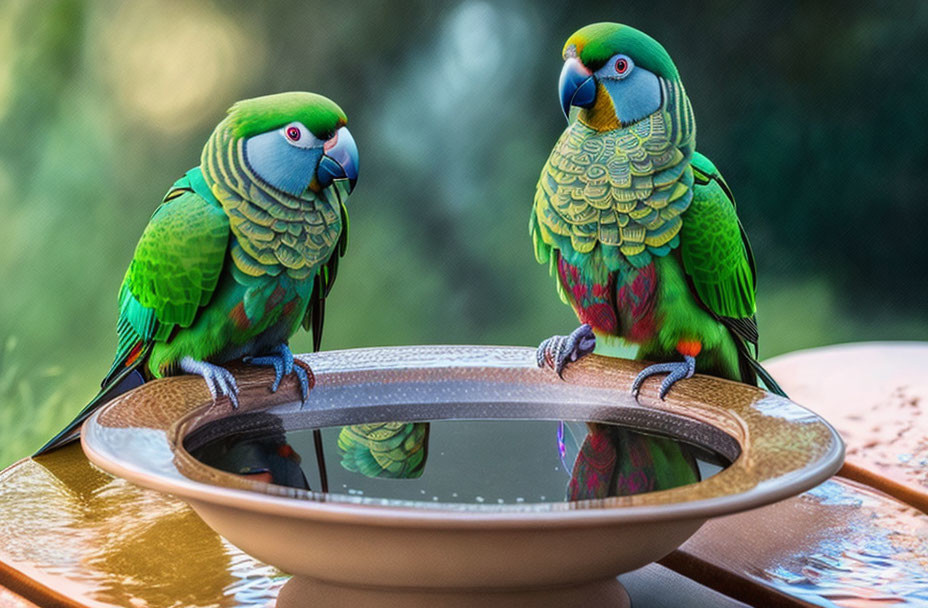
{"x": 283, "y": 362}
{"x": 219, "y": 380}
{"x": 557, "y": 351}
{"x": 677, "y": 370}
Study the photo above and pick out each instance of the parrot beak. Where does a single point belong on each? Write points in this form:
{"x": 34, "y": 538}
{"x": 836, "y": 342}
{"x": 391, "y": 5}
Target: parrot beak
{"x": 339, "y": 160}
{"x": 577, "y": 87}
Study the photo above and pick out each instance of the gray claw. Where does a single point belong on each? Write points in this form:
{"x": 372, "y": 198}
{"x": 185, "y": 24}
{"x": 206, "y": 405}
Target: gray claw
{"x": 219, "y": 380}
{"x": 677, "y": 370}
{"x": 303, "y": 377}
{"x": 269, "y": 361}
{"x": 558, "y": 351}
{"x": 281, "y": 359}
{"x": 287, "y": 356}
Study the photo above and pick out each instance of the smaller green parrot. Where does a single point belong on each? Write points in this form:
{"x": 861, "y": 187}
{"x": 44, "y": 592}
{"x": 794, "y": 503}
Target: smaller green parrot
{"x": 640, "y": 229}
{"x": 392, "y": 450}
{"x": 241, "y": 252}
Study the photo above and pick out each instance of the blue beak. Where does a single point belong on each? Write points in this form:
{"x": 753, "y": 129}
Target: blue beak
{"x": 576, "y": 86}
{"x": 339, "y": 160}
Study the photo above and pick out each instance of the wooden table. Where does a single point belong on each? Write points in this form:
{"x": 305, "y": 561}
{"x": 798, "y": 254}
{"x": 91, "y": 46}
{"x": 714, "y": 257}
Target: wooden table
{"x": 71, "y": 535}
{"x": 860, "y": 539}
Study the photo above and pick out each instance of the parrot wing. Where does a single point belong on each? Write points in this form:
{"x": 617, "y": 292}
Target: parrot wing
{"x": 719, "y": 263}
{"x": 325, "y": 278}
{"x": 715, "y": 251}
{"x": 173, "y": 273}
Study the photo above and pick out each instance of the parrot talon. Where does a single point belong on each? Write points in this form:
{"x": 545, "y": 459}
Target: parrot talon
{"x": 219, "y": 380}
{"x": 306, "y": 377}
{"x": 284, "y": 364}
{"x": 557, "y": 351}
{"x": 675, "y": 371}
{"x": 269, "y": 361}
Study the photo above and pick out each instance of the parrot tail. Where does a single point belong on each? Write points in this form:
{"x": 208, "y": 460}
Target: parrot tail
{"x": 751, "y": 370}
{"x": 766, "y": 378}
{"x": 115, "y": 384}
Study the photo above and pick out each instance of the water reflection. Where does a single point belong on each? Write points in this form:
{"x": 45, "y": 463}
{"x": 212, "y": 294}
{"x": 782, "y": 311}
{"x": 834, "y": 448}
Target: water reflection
{"x": 254, "y": 446}
{"x": 457, "y": 461}
{"x": 394, "y": 450}
{"x": 617, "y": 461}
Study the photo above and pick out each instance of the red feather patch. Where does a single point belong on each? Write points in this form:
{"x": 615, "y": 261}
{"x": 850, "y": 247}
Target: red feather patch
{"x": 238, "y": 316}
{"x": 134, "y": 353}
{"x": 290, "y": 306}
{"x": 635, "y": 300}
{"x": 593, "y": 302}
{"x": 274, "y": 299}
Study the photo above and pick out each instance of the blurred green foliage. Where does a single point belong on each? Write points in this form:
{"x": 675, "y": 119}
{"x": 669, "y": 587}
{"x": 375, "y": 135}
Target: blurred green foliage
{"x": 815, "y": 113}
{"x": 32, "y": 400}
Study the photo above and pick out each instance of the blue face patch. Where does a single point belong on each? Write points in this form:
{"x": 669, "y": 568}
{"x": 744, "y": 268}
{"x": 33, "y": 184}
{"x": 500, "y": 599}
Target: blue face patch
{"x": 282, "y": 165}
{"x": 635, "y": 92}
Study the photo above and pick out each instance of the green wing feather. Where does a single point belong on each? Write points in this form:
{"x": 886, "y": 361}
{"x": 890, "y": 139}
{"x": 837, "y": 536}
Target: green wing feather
{"x": 173, "y": 273}
{"x": 719, "y": 262}
{"x": 714, "y": 249}
{"x": 325, "y": 277}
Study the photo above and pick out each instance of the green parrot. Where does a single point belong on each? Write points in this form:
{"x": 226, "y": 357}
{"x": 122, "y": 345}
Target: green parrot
{"x": 241, "y": 252}
{"x": 639, "y": 228}
{"x": 392, "y": 450}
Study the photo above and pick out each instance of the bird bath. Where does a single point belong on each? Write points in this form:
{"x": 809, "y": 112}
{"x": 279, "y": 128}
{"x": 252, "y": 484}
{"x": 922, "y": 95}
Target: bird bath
{"x": 450, "y": 479}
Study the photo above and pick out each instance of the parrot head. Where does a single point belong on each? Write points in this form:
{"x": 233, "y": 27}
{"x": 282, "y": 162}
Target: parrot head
{"x": 613, "y": 72}
{"x": 294, "y": 142}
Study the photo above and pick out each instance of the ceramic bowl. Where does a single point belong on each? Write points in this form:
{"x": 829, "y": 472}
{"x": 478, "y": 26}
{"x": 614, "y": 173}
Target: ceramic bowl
{"x": 354, "y": 550}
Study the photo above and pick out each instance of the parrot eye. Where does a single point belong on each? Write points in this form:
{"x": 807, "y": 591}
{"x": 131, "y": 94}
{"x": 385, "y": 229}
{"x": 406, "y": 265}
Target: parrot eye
{"x": 623, "y": 65}
{"x": 298, "y": 135}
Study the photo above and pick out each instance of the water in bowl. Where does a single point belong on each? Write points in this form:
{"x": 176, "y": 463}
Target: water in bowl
{"x": 481, "y": 461}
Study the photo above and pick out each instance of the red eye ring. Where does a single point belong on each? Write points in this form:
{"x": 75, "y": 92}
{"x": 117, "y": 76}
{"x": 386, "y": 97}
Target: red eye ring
{"x": 293, "y": 134}
{"x": 621, "y": 65}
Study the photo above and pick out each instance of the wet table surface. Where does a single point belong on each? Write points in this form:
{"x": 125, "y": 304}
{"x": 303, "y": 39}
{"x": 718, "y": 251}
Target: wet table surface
{"x": 860, "y": 539}
{"x": 876, "y": 396}
{"x": 71, "y": 535}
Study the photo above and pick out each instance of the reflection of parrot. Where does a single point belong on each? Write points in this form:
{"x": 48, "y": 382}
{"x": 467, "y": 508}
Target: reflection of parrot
{"x": 270, "y": 460}
{"x": 254, "y": 445}
{"x": 614, "y": 461}
{"x": 639, "y": 228}
{"x": 241, "y": 252}
{"x": 394, "y": 450}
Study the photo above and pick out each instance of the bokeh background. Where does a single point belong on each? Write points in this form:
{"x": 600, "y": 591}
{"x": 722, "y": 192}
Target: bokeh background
{"x": 815, "y": 113}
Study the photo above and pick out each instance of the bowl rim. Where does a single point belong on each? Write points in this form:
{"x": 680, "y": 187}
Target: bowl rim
{"x": 765, "y": 426}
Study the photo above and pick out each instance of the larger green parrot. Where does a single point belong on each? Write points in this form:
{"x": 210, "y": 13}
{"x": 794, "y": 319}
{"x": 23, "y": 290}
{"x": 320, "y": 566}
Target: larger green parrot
{"x": 639, "y": 228}
{"x": 241, "y": 252}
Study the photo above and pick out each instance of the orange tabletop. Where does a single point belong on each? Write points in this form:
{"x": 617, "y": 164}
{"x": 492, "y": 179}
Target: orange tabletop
{"x": 73, "y": 536}
{"x": 841, "y": 544}
{"x": 8, "y": 599}
{"x": 876, "y": 396}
